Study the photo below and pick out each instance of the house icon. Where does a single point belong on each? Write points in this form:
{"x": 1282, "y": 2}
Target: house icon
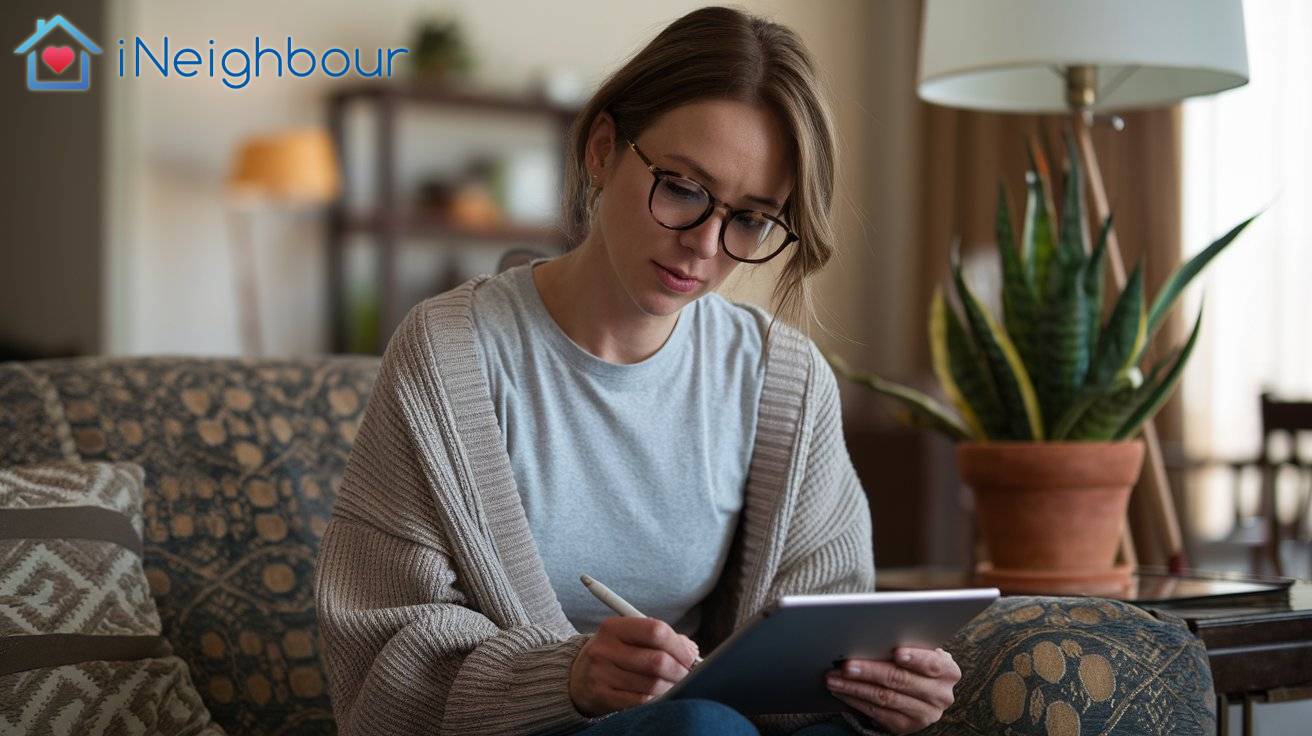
{"x": 58, "y": 58}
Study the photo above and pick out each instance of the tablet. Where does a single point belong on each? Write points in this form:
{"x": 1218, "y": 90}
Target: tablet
{"x": 776, "y": 662}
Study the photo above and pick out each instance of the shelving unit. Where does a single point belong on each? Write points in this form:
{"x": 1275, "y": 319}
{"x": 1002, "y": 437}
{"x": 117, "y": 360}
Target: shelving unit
{"x": 388, "y": 221}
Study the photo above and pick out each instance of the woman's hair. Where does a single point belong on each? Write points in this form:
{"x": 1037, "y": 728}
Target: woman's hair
{"x": 724, "y": 53}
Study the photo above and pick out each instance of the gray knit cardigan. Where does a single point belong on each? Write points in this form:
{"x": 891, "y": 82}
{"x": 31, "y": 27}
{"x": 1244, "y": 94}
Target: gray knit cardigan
{"x": 436, "y": 614}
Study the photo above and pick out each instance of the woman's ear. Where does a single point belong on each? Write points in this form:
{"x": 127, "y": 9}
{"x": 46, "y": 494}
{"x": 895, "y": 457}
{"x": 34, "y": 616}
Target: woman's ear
{"x": 601, "y": 147}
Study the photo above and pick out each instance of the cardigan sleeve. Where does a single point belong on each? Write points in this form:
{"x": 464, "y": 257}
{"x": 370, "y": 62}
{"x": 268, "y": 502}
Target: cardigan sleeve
{"x": 405, "y": 649}
{"x": 829, "y": 546}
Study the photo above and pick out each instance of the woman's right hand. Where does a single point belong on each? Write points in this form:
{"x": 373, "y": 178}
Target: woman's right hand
{"x": 629, "y": 661}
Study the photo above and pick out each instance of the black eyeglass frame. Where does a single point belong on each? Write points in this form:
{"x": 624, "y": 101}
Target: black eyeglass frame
{"x": 658, "y": 173}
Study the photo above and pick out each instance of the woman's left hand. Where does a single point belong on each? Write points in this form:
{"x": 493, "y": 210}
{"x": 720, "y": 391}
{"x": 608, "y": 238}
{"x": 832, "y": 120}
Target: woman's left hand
{"x": 904, "y": 695}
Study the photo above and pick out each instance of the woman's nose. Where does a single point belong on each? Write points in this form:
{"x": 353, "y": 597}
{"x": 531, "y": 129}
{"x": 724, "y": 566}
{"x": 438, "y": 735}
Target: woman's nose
{"x": 704, "y": 240}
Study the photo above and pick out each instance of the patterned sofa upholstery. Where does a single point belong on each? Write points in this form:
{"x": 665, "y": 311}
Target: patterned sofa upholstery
{"x": 242, "y": 459}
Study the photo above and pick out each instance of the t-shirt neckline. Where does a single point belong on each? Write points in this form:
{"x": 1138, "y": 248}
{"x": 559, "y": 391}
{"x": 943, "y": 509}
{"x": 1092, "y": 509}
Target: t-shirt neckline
{"x": 580, "y": 358}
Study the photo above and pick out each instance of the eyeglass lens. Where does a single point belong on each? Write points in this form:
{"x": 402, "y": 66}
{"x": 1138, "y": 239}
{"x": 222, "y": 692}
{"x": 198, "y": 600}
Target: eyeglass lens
{"x": 678, "y": 202}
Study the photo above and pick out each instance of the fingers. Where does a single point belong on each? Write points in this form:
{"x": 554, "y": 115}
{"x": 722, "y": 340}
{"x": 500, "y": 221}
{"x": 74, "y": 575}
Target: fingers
{"x": 887, "y": 698}
{"x": 937, "y": 693}
{"x": 651, "y": 633}
{"x": 918, "y": 688}
{"x": 895, "y": 722}
{"x": 932, "y": 663}
{"x": 643, "y": 632}
{"x": 693, "y": 650}
{"x": 621, "y": 679}
{"x": 648, "y": 663}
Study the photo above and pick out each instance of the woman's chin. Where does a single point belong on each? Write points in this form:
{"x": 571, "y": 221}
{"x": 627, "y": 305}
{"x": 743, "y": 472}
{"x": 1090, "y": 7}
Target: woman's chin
{"x": 660, "y": 302}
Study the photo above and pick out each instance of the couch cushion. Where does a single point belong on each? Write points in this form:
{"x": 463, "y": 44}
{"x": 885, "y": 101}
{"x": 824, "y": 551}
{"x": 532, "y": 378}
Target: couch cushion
{"x": 83, "y": 651}
{"x": 242, "y": 459}
{"x": 1056, "y": 666}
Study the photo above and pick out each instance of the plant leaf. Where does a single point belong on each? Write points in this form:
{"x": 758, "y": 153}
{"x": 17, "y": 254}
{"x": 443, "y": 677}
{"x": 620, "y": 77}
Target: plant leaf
{"x": 1017, "y": 292}
{"x": 1104, "y": 420}
{"x": 1037, "y": 246}
{"x": 929, "y": 411}
{"x": 1094, "y": 286}
{"x": 1126, "y": 334}
{"x": 1087, "y": 397}
{"x": 938, "y": 343}
{"x": 1072, "y": 214}
{"x": 1061, "y": 429}
{"x": 1063, "y": 338}
{"x": 1104, "y": 416}
{"x": 1015, "y": 389}
{"x": 1161, "y": 391}
{"x": 1186, "y": 273}
{"x": 962, "y": 373}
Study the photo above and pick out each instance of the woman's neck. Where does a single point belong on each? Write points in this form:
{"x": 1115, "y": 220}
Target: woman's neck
{"x": 584, "y": 296}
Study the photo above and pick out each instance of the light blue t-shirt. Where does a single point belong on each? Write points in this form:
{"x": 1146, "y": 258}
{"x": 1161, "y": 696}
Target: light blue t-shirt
{"x": 633, "y": 474}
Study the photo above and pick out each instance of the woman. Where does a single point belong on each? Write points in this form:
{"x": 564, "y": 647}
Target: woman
{"x": 603, "y": 412}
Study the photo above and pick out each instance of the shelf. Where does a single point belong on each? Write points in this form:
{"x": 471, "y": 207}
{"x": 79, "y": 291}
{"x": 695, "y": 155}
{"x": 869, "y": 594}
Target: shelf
{"x": 389, "y": 220}
{"x": 419, "y": 224}
{"x": 434, "y": 93}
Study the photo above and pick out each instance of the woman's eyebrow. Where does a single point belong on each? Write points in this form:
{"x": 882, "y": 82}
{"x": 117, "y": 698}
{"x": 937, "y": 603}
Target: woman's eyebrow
{"x": 710, "y": 179}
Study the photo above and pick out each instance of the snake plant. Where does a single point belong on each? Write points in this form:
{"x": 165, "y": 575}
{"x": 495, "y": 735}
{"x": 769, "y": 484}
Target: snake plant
{"x": 1051, "y": 369}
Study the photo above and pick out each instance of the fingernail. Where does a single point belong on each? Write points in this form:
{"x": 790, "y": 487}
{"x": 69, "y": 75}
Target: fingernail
{"x": 852, "y": 669}
{"x": 904, "y": 657}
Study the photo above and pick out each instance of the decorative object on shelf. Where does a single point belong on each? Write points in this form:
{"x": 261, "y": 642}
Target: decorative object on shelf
{"x": 474, "y": 199}
{"x": 292, "y": 169}
{"x": 1079, "y": 57}
{"x": 439, "y": 52}
{"x": 1048, "y": 400}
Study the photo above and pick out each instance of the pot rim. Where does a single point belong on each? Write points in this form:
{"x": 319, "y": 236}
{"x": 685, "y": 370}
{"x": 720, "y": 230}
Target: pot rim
{"x": 1045, "y": 443}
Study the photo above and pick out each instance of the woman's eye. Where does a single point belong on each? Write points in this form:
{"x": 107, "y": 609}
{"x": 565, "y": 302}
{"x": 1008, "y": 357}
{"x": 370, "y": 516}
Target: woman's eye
{"x": 752, "y": 223}
{"x": 682, "y": 191}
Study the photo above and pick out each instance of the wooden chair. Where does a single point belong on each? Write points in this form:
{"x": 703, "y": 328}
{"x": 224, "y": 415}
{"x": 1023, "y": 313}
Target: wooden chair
{"x": 1291, "y": 419}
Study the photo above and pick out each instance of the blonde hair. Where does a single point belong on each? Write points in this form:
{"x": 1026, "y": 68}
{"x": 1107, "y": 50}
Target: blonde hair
{"x": 725, "y": 53}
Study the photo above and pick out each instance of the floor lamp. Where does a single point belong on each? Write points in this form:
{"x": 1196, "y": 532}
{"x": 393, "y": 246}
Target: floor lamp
{"x": 1078, "y": 57}
{"x": 292, "y": 169}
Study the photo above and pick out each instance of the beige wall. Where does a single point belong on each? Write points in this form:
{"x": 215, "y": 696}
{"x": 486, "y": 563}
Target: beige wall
{"x": 867, "y": 51}
{"x": 171, "y": 141}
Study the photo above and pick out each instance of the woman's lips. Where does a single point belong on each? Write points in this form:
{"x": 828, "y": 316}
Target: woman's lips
{"x": 673, "y": 282}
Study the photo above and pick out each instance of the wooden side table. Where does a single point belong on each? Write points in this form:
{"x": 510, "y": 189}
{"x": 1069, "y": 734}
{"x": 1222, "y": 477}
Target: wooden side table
{"x": 1259, "y": 643}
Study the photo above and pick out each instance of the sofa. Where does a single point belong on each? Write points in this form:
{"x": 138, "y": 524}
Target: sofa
{"x": 242, "y": 458}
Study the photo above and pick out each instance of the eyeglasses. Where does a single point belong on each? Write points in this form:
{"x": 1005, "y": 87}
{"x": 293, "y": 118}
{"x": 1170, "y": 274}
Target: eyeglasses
{"x": 679, "y": 203}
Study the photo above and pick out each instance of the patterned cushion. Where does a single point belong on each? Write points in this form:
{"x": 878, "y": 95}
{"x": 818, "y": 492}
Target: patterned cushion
{"x": 77, "y": 623}
{"x": 1069, "y": 666}
{"x": 242, "y": 460}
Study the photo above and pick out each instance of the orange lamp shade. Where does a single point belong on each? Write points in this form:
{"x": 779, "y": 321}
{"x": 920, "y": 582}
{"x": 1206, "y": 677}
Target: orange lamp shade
{"x": 298, "y": 166}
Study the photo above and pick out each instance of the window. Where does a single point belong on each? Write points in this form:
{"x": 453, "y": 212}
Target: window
{"x": 1244, "y": 150}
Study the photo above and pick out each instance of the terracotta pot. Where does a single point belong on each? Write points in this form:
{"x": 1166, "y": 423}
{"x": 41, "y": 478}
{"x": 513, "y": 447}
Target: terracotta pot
{"x": 1051, "y": 513}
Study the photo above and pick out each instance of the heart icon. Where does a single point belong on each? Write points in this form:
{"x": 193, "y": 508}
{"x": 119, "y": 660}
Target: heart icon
{"x": 57, "y": 58}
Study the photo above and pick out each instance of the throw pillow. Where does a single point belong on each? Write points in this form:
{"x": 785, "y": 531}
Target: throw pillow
{"x": 80, "y": 644}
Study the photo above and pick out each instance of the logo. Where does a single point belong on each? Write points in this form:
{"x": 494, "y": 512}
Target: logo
{"x": 58, "y": 58}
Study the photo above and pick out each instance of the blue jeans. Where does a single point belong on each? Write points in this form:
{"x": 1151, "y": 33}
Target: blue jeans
{"x": 692, "y": 717}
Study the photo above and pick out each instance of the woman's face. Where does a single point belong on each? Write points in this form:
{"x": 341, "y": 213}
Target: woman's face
{"x": 737, "y": 151}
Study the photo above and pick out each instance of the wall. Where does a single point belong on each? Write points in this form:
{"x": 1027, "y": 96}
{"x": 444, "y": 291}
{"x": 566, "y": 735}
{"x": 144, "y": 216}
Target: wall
{"x": 50, "y": 250}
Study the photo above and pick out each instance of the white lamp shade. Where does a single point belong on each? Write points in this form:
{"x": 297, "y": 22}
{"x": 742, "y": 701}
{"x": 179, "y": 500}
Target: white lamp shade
{"x": 1010, "y": 55}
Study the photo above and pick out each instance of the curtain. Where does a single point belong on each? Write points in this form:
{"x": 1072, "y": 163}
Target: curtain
{"x": 1247, "y": 150}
